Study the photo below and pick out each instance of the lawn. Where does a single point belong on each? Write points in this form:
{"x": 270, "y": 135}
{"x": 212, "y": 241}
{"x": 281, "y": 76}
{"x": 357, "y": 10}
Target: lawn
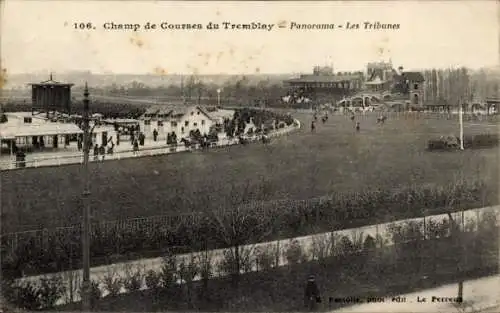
{"x": 299, "y": 166}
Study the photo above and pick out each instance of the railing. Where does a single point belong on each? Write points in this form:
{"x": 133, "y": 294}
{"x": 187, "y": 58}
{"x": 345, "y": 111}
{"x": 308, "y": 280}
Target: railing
{"x": 310, "y": 243}
{"x": 77, "y": 158}
{"x": 423, "y": 115}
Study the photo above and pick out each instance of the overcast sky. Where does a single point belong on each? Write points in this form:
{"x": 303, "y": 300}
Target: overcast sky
{"x": 39, "y": 35}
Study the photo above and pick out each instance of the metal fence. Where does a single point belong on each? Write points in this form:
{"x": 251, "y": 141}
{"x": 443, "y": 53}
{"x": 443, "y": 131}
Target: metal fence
{"x": 492, "y": 118}
{"x": 162, "y": 226}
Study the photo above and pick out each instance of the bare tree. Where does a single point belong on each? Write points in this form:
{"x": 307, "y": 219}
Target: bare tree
{"x": 237, "y": 223}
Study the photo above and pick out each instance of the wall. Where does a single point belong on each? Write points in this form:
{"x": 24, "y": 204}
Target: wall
{"x": 169, "y": 125}
{"x": 97, "y": 137}
{"x": 416, "y": 91}
{"x": 196, "y": 117}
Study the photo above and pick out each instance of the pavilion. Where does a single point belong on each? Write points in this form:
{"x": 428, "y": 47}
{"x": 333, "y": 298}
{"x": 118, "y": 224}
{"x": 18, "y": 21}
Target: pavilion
{"x": 22, "y": 130}
{"x": 323, "y": 84}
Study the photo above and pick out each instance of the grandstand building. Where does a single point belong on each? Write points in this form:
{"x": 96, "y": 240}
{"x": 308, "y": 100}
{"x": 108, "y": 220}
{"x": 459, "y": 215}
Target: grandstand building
{"x": 324, "y": 85}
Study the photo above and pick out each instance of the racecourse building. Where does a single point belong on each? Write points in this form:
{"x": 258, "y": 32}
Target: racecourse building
{"x": 50, "y": 96}
{"x": 324, "y": 85}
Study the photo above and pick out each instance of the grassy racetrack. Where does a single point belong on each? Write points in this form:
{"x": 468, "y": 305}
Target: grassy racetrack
{"x": 299, "y": 166}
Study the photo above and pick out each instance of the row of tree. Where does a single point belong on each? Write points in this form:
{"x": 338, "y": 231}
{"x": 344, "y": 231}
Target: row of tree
{"x": 453, "y": 86}
{"x": 442, "y": 86}
{"x": 239, "y": 91}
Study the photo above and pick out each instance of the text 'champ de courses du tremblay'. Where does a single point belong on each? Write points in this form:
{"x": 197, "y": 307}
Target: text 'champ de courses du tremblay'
{"x": 247, "y": 26}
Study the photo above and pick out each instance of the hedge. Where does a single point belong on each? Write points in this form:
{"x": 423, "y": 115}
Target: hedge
{"x": 470, "y": 142}
{"x": 61, "y": 250}
{"x": 410, "y": 255}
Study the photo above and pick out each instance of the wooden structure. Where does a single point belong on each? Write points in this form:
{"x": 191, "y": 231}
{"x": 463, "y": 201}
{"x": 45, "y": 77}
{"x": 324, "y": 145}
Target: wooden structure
{"x": 50, "y": 97}
{"x": 492, "y": 102}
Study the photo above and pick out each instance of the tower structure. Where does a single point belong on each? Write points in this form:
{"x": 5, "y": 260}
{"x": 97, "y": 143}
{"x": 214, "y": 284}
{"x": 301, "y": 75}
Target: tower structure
{"x": 50, "y": 96}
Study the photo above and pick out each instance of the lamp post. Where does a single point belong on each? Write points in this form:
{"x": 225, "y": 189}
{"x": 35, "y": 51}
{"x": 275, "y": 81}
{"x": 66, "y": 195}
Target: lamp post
{"x": 218, "y": 97}
{"x": 461, "y": 122}
{"x": 86, "y": 204}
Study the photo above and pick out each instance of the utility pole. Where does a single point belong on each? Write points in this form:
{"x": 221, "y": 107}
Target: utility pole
{"x": 86, "y": 203}
{"x": 461, "y": 122}
{"x": 459, "y": 233}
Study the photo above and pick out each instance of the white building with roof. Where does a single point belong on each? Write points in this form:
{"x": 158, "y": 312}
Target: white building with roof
{"x": 219, "y": 115}
{"x": 181, "y": 119}
{"x": 30, "y": 132}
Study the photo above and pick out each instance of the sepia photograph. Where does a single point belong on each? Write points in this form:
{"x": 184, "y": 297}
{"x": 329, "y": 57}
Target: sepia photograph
{"x": 250, "y": 156}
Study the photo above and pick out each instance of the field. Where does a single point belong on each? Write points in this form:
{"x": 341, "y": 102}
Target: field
{"x": 299, "y": 166}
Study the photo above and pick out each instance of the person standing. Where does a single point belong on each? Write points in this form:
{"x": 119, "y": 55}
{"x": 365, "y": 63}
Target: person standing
{"x": 357, "y": 127}
{"x": 102, "y": 151}
{"x": 80, "y": 144}
{"x": 311, "y": 294}
{"x": 136, "y": 146}
{"x": 155, "y": 134}
{"x": 96, "y": 152}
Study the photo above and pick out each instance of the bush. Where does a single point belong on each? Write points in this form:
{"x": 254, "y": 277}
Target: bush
{"x": 442, "y": 144}
{"x": 133, "y": 278}
{"x": 370, "y": 243}
{"x": 229, "y": 264}
{"x": 481, "y": 141}
{"x": 405, "y": 232}
{"x": 345, "y": 246}
{"x": 322, "y": 246}
{"x": 95, "y": 291}
{"x": 26, "y": 295}
{"x": 266, "y": 257}
{"x": 112, "y": 282}
{"x": 437, "y": 229}
{"x": 29, "y": 295}
{"x": 295, "y": 254}
{"x": 205, "y": 265}
{"x": 168, "y": 271}
{"x": 470, "y": 141}
{"x": 51, "y": 290}
{"x": 152, "y": 280}
{"x": 340, "y": 210}
{"x": 188, "y": 270}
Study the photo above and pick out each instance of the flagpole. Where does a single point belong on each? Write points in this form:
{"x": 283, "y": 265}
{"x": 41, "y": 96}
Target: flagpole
{"x": 461, "y": 121}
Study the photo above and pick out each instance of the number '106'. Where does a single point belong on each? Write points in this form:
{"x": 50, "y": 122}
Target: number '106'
{"x": 82, "y": 25}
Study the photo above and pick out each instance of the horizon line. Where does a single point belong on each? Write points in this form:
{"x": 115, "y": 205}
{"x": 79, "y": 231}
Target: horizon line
{"x": 66, "y": 72}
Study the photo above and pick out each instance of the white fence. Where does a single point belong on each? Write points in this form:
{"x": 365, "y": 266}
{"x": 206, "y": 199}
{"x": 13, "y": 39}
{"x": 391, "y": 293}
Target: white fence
{"x": 77, "y": 158}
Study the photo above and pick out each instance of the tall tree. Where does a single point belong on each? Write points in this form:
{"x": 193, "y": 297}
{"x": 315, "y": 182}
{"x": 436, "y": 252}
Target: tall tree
{"x": 239, "y": 222}
{"x": 434, "y": 85}
{"x": 441, "y": 85}
{"x": 465, "y": 84}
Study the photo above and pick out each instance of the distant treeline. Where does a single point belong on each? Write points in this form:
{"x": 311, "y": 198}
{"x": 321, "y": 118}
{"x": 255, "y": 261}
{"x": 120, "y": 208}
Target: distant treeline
{"x": 444, "y": 86}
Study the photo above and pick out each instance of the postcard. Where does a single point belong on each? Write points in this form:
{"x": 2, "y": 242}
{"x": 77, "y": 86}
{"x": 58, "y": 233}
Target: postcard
{"x": 278, "y": 156}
